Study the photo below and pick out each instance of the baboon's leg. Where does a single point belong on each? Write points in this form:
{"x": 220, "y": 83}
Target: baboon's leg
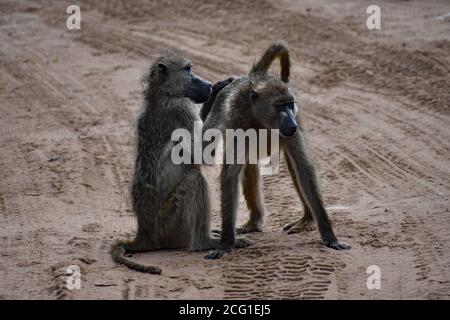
{"x": 306, "y": 223}
{"x": 305, "y": 172}
{"x": 251, "y": 185}
{"x": 196, "y": 210}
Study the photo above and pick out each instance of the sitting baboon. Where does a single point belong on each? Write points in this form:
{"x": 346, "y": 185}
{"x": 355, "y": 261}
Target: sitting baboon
{"x": 261, "y": 101}
{"x": 170, "y": 201}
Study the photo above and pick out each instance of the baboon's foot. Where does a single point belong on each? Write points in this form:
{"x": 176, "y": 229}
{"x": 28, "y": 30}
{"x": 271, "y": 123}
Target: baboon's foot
{"x": 211, "y": 243}
{"x": 337, "y": 245}
{"x": 242, "y": 242}
{"x": 250, "y": 226}
{"x": 298, "y": 226}
{"x": 217, "y": 254}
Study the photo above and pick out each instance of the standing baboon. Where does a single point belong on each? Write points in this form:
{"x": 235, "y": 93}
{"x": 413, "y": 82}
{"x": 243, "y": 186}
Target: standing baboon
{"x": 171, "y": 202}
{"x": 261, "y": 101}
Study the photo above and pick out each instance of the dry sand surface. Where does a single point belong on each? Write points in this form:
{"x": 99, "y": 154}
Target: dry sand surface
{"x": 376, "y": 107}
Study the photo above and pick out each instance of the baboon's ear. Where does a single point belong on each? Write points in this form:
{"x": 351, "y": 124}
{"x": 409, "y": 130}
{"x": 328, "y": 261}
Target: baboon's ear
{"x": 253, "y": 96}
{"x": 163, "y": 71}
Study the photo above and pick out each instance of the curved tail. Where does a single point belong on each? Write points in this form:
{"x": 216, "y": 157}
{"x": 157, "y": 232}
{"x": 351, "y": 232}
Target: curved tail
{"x": 118, "y": 251}
{"x": 277, "y": 49}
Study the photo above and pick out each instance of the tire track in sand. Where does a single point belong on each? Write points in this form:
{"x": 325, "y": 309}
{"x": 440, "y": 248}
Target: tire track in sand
{"x": 265, "y": 272}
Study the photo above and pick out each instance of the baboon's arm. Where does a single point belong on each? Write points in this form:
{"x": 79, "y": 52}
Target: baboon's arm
{"x": 305, "y": 174}
{"x": 230, "y": 201}
{"x": 308, "y": 216}
{"x": 217, "y": 87}
{"x": 185, "y": 118}
{"x": 214, "y": 111}
{"x": 229, "y": 179}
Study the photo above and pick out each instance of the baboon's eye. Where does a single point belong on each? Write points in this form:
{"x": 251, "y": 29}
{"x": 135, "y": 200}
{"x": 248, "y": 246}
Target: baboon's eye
{"x": 281, "y": 107}
{"x": 289, "y": 105}
{"x": 188, "y": 68}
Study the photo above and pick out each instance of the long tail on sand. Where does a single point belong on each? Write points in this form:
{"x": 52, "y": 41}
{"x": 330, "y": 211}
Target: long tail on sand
{"x": 118, "y": 251}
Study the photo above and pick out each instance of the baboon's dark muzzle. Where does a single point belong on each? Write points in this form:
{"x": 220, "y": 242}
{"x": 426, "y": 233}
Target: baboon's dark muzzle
{"x": 199, "y": 90}
{"x": 288, "y": 125}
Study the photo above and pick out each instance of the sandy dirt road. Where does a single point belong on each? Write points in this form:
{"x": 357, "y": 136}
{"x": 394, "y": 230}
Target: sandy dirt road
{"x": 376, "y": 105}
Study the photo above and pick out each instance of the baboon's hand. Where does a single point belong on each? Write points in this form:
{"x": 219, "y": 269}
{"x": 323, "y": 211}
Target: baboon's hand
{"x": 219, "y": 85}
{"x": 337, "y": 245}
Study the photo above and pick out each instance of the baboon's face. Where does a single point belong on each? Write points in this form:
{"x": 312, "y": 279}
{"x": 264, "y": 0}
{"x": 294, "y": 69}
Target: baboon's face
{"x": 176, "y": 78}
{"x": 275, "y": 108}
